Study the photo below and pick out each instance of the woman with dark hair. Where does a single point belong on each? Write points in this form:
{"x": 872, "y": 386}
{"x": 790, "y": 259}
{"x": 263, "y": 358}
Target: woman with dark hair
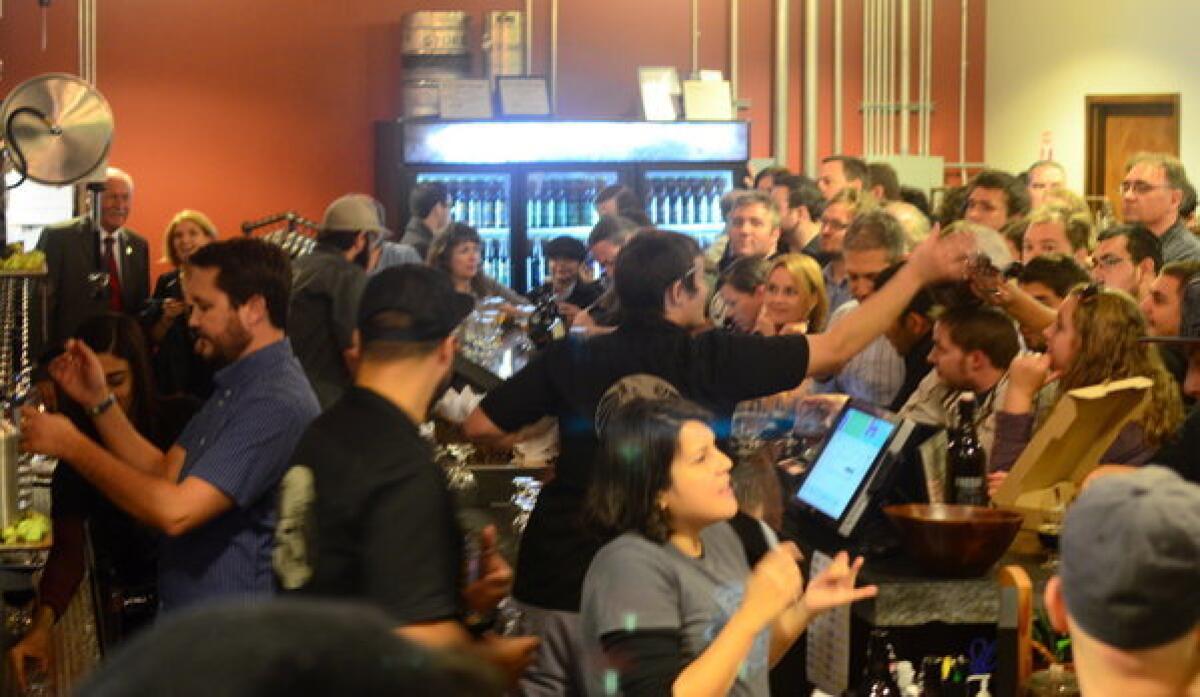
{"x": 177, "y": 367}
{"x": 671, "y": 600}
{"x": 125, "y": 553}
{"x": 457, "y": 251}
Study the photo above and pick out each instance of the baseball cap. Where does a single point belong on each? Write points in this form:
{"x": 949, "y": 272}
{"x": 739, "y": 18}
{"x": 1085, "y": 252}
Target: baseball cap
{"x": 565, "y": 248}
{"x": 354, "y": 213}
{"x": 1131, "y": 558}
{"x": 1189, "y": 323}
{"x": 425, "y": 295}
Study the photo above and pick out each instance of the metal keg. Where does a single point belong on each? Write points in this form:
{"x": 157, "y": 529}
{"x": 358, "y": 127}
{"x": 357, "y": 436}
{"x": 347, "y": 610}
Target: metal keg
{"x": 434, "y": 45}
{"x": 503, "y": 43}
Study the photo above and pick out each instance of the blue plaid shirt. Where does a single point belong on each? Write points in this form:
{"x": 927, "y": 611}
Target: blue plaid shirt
{"x": 240, "y": 443}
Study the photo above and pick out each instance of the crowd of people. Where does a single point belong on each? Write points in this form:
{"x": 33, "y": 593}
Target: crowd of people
{"x": 254, "y": 424}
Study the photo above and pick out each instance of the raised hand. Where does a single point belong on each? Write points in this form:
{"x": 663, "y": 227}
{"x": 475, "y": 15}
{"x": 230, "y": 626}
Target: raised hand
{"x": 943, "y": 257}
{"x": 495, "y": 576}
{"x": 1030, "y": 372}
{"x": 79, "y": 373}
{"x": 46, "y": 434}
{"x": 774, "y": 585}
{"x": 834, "y": 586}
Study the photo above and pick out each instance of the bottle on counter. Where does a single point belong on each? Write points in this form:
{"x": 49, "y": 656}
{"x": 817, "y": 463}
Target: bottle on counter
{"x": 877, "y": 680}
{"x": 546, "y": 324}
{"x": 966, "y": 461}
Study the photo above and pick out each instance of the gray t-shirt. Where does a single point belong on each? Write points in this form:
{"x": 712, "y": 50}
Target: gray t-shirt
{"x": 635, "y": 584}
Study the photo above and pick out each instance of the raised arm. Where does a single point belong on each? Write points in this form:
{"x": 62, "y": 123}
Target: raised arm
{"x": 79, "y": 374}
{"x": 938, "y": 258}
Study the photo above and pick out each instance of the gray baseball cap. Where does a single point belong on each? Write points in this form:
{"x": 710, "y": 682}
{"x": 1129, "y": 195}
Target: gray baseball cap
{"x": 1189, "y": 322}
{"x": 354, "y": 213}
{"x": 1131, "y": 558}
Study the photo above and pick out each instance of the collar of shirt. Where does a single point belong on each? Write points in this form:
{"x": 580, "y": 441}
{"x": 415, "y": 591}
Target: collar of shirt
{"x": 246, "y": 368}
{"x": 118, "y": 236}
{"x": 1177, "y": 228}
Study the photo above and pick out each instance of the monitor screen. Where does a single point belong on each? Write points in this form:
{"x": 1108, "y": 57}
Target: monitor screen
{"x": 845, "y": 462}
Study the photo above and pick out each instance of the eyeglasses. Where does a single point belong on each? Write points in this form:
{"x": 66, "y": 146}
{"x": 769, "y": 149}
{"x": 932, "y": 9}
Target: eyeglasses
{"x": 835, "y": 225}
{"x": 1141, "y": 188}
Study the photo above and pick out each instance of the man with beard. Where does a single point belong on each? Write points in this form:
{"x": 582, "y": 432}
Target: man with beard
{"x": 366, "y": 512}
{"x": 326, "y": 287}
{"x": 212, "y": 494}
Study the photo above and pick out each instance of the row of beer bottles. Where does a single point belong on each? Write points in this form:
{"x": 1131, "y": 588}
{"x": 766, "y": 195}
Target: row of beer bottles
{"x": 684, "y": 201}
{"x": 564, "y": 202}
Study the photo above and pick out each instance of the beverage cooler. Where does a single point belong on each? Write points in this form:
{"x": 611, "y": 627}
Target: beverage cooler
{"x": 522, "y": 183}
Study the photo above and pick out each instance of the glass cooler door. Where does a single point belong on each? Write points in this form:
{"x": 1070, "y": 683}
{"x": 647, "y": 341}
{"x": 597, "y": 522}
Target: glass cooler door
{"x": 687, "y": 200}
{"x": 482, "y": 200}
{"x": 559, "y": 203}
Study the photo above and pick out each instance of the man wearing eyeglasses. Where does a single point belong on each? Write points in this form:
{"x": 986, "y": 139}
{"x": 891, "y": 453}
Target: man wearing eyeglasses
{"x": 1151, "y": 194}
{"x": 1127, "y": 257}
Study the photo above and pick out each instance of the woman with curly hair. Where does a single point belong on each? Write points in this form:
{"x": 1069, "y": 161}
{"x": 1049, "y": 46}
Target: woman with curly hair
{"x": 1095, "y": 338}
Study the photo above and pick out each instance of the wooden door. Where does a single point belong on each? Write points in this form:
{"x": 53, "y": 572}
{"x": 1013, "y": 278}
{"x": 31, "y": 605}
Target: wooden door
{"x": 1119, "y": 126}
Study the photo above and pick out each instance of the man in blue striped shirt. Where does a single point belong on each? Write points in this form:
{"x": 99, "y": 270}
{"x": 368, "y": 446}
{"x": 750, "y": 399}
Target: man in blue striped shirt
{"x": 213, "y": 493}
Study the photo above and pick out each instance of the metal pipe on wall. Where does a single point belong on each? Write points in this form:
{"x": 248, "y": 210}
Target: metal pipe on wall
{"x": 695, "y": 39}
{"x": 779, "y": 124}
{"x": 837, "y": 75}
{"x": 733, "y": 51}
{"x": 881, "y": 86}
{"x": 889, "y": 60}
{"x": 528, "y": 37}
{"x": 812, "y": 30}
{"x": 962, "y": 94}
{"x": 905, "y": 70}
{"x": 928, "y": 77}
{"x": 87, "y": 40}
{"x": 554, "y": 56}
{"x": 866, "y": 77}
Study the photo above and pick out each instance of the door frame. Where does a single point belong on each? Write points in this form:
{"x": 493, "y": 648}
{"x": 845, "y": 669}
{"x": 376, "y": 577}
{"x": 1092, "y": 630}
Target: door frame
{"x": 1096, "y": 106}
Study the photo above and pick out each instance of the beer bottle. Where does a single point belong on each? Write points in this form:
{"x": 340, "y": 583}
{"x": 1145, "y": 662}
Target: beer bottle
{"x": 966, "y": 462}
{"x": 877, "y": 680}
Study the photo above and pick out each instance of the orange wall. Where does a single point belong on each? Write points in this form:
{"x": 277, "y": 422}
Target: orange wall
{"x": 243, "y": 109}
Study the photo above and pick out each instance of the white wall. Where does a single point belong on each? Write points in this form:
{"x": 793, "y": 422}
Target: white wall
{"x": 1045, "y": 56}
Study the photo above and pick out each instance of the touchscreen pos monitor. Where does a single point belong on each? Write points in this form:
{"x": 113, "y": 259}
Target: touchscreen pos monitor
{"x": 853, "y": 465}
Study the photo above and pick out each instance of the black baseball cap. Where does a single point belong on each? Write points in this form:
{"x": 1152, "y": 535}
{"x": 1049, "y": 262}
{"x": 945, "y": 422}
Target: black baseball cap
{"x": 1189, "y": 322}
{"x": 425, "y": 295}
{"x": 1131, "y": 558}
{"x": 565, "y": 247}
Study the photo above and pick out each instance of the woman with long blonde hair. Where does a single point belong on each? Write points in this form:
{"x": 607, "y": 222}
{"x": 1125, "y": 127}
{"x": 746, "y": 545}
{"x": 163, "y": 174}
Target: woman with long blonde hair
{"x": 795, "y": 300}
{"x": 177, "y": 367}
{"x": 1095, "y": 338}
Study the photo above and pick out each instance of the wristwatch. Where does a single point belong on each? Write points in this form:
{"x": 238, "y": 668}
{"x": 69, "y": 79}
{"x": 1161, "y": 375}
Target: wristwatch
{"x": 103, "y": 406}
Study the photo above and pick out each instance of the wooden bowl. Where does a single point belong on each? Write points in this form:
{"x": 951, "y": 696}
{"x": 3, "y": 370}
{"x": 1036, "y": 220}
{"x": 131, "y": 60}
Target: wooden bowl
{"x": 954, "y": 541}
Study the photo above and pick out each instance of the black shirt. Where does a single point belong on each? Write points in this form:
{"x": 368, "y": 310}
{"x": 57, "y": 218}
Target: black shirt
{"x": 322, "y": 316}
{"x": 916, "y": 367}
{"x": 567, "y": 380}
{"x": 1180, "y": 453}
{"x": 178, "y": 369}
{"x": 382, "y": 526}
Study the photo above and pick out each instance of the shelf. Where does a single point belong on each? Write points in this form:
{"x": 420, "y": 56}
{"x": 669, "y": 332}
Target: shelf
{"x": 572, "y": 230}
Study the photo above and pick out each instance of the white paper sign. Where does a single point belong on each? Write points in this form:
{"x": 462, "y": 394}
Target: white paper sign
{"x": 465, "y": 99}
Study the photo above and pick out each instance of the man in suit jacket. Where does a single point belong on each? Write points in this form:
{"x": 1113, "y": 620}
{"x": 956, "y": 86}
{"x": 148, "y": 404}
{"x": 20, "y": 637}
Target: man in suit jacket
{"x": 82, "y": 280}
